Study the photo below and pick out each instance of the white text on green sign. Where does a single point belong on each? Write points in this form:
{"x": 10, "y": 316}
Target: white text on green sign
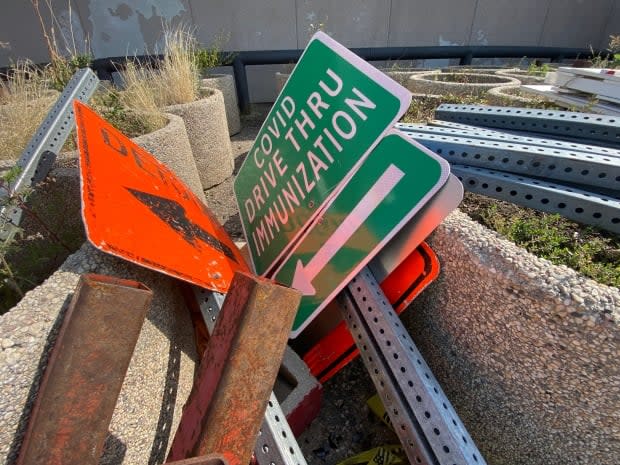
{"x": 331, "y": 113}
{"x": 393, "y": 183}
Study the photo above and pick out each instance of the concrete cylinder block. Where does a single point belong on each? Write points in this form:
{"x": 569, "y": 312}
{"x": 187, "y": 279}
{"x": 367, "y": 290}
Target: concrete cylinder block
{"x": 281, "y": 79}
{"x": 490, "y": 69}
{"x": 463, "y": 84}
{"x": 527, "y": 351}
{"x": 512, "y": 94}
{"x": 402, "y": 75}
{"x": 206, "y": 126}
{"x": 225, "y": 83}
{"x": 171, "y": 146}
{"x": 522, "y": 75}
{"x": 158, "y": 380}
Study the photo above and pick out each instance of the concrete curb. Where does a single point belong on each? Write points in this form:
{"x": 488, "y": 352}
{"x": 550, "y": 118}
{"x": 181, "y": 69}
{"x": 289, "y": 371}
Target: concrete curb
{"x": 522, "y": 75}
{"x": 158, "y": 380}
{"x": 439, "y": 83}
{"x": 527, "y": 351}
{"x": 205, "y": 123}
{"x": 225, "y": 83}
{"x": 505, "y": 93}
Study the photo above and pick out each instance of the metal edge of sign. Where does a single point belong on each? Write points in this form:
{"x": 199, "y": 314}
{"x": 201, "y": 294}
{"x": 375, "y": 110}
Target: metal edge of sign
{"x": 403, "y": 95}
{"x": 418, "y": 229}
{"x": 443, "y": 178}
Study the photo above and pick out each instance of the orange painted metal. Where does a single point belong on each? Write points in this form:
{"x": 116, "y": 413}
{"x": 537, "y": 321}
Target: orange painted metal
{"x": 87, "y": 366}
{"x": 330, "y": 352}
{"x": 134, "y": 207}
{"x": 238, "y": 369}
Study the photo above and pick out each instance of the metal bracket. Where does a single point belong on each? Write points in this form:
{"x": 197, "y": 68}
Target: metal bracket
{"x": 605, "y": 130}
{"x": 276, "y": 444}
{"x": 37, "y": 159}
{"x": 423, "y": 418}
{"x": 578, "y": 205}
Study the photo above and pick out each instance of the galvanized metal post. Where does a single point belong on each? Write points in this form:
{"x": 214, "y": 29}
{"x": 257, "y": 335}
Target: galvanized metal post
{"x": 70, "y": 418}
{"x": 237, "y": 372}
{"x": 39, "y": 155}
{"x": 427, "y": 425}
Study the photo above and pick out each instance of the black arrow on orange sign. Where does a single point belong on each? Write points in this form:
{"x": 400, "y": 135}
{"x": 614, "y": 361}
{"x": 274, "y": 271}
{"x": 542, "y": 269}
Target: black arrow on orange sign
{"x": 173, "y": 214}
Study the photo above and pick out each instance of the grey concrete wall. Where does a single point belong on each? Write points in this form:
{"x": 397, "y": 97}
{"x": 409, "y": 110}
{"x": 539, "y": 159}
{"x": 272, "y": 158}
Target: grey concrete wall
{"x": 126, "y": 27}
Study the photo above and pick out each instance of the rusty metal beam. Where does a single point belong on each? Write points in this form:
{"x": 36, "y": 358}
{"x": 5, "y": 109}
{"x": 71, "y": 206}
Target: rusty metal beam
{"x": 211, "y": 459}
{"x": 71, "y": 414}
{"x": 226, "y": 406}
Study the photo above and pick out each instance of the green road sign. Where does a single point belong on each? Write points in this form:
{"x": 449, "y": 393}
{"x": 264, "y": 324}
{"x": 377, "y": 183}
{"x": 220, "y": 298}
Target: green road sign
{"x": 393, "y": 183}
{"x": 333, "y": 110}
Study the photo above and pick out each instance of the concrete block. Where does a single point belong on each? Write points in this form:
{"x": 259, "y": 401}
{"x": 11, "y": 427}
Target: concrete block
{"x": 575, "y": 23}
{"x": 248, "y": 25}
{"x": 422, "y": 22}
{"x": 225, "y": 83}
{"x": 525, "y": 350}
{"x": 353, "y": 23}
{"x": 207, "y": 129}
{"x": 171, "y": 146}
{"x": 158, "y": 380}
{"x": 506, "y": 22}
{"x": 298, "y": 392}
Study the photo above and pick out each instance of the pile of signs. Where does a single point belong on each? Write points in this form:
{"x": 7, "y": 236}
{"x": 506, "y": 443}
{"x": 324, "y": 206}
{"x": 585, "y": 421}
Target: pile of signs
{"x": 553, "y": 161}
{"x": 595, "y": 88}
{"x": 335, "y": 204}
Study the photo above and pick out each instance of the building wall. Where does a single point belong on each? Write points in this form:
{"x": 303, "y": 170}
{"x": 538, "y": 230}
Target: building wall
{"x": 127, "y": 27}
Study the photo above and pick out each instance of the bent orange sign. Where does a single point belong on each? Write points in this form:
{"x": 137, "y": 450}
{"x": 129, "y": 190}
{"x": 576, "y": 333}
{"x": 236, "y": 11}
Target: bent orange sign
{"x": 134, "y": 207}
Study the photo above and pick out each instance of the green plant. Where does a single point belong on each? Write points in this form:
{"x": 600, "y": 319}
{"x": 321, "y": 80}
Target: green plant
{"x": 207, "y": 58}
{"x": 591, "y": 252}
{"x": 539, "y": 69}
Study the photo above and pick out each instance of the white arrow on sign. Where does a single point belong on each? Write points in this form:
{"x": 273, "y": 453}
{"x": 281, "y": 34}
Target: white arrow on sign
{"x": 302, "y": 280}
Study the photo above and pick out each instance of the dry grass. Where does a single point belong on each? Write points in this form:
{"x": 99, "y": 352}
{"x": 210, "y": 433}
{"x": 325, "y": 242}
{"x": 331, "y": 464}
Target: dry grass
{"x": 141, "y": 97}
{"x": 180, "y": 80}
{"x": 148, "y": 89}
{"x": 25, "y": 99}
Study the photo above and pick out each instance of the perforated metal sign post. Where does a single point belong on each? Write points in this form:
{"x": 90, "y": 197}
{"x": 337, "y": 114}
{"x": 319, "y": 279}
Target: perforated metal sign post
{"x": 134, "y": 207}
{"x": 393, "y": 183}
{"x": 427, "y": 425}
{"x": 333, "y": 110}
{"x": 38, "y": 158}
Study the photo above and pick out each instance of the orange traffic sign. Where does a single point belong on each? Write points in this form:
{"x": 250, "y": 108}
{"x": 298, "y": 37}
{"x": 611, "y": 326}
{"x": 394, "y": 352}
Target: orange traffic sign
{"x": 134, "y": 207}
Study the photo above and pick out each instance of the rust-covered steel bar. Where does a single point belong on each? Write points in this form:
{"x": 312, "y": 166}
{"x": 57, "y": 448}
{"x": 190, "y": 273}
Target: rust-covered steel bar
{"x": 73, "y": 409}
{"x": 226, "y": 406}
{"x": 211, "y": 459}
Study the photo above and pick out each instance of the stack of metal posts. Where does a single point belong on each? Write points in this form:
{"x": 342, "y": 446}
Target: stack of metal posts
{"x": 553, "y": 161}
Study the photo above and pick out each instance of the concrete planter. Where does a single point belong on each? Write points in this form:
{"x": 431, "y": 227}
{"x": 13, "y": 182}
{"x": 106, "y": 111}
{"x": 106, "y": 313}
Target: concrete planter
{"x": 225, "y": 83}
{"x": 458, "y": 83}
{"x": 281, "y": 79}
{"x": 402, "y": 75}
{"x": 158, "y": 380}
{"x": 57, "y": 200}
{"x": 522, "y": 75}
{"x": 513, "y": 94}
{"x": 171, "y": 146}
{"x": 205, "y": 123}
{"x": 472, "y": 69}
{"x": 527, "y": 351}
